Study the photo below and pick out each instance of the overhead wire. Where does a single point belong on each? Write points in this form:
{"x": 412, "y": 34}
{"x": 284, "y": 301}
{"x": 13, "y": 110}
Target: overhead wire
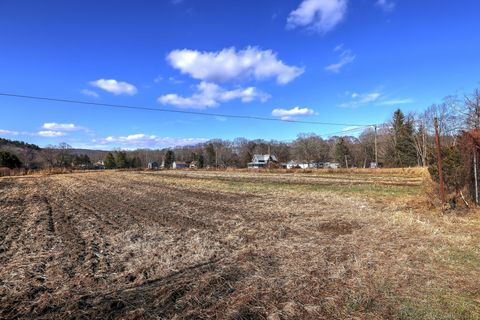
{"x": 134, "y": 107}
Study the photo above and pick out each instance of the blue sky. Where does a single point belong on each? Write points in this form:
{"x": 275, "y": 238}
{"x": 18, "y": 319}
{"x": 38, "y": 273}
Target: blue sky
{"x": 347, "y": 61}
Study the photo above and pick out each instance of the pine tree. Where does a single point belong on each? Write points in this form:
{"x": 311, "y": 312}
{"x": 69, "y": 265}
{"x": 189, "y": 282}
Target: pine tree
{"x": 200, "y": 160}
{"x": 136, "y": 162}
{"x": 402, "y": 152}
{"x": 110, "y": 161}
{"x": 342, "y": 152}
{"x": 9, "y": 160}
{"x": 169, "y": 159}
{"x": 121, "y": 160}
{"x": 211, "y": 155}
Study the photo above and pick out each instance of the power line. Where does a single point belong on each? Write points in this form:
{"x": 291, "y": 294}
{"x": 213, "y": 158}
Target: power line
{"x": 123, "y": 106}
{"x": 325, "y": 134}
{"x": 343, "y": 131}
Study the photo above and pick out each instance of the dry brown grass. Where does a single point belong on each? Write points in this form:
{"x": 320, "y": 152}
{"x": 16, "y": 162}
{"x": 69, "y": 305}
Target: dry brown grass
{"x": 233, "y": 245}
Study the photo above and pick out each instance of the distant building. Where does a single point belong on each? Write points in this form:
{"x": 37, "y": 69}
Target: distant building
{"x": 331, "y": 165}
{"x": 179, "y": 165}
{"x": 375, "y": 165}
{"x": 193, "y": 165}
{"x": 262, "y": 161}
{"x": 99, "y": 165}
{"x": 153, "y": 165}
{"x": 292, "y": 164}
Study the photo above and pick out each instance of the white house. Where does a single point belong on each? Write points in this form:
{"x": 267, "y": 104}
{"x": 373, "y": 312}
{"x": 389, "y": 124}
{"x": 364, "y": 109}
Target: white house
{"x": 152, "y": 165}
{"x": 331, "y": 165}
{"x": 179, "y": 165}
{"x": 292, "y": 164}
{"x": 262, "y": 160}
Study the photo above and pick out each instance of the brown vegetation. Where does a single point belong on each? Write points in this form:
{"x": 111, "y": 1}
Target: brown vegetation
{"x": 233, "y": 245}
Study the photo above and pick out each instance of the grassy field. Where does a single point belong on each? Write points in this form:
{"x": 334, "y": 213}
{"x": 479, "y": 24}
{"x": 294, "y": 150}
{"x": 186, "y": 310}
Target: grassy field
{"x": 234, "y": 245}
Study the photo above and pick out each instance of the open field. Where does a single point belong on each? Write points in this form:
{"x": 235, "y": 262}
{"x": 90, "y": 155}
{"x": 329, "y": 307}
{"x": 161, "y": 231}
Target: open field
{"x": 234, "y": 245}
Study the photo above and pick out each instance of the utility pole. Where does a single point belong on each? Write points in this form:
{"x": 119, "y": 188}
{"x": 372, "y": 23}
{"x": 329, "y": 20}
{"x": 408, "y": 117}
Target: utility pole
{"x": 475, "y": 173}
{"x": 376, "y": 149}
{"x": 439, "y": 161}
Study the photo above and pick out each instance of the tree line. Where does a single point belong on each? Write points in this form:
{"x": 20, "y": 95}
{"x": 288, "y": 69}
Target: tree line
{"x": 405, "y": 140}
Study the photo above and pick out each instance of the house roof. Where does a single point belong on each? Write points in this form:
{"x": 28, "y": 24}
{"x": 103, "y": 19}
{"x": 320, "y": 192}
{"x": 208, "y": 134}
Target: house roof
{"x": 264, "y": 157}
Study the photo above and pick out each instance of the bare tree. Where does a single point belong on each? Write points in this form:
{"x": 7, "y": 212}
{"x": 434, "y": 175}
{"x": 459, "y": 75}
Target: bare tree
{"x": 49, "y": 154}
{"x": 472, "y": 112}
{"x": 310, "y": 147}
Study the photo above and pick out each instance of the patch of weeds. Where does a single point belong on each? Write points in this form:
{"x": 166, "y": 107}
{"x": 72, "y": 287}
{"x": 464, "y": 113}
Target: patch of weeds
{"x": 466, "y": 258}
{"x": 446, "y": 306}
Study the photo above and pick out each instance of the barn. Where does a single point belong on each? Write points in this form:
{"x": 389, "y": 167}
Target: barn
{"x": 153, "y": 165}
{"x": 179, "y": 165}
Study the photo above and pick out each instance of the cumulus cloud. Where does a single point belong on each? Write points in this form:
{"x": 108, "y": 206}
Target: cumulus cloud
{"x": 385, "y": 5}
{"x": 321, "y": 16}
{"x": 115, "y": 87}
{"x": 346, "y": 57}
{"x": 359, "y": 99}
{"x": 210, "y": 95}
{"x": 8, "y": 132}
{"x": 62, "y": 126}
{"x": 287, "y": 114}
{"x": 230, "y": 64}
{"x": 141, "y": 140}
{"x": 89, "y": 93}
{"x": 51, "y": 133}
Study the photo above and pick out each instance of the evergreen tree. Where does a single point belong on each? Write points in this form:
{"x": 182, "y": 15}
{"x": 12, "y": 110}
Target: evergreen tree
{"x": 402, "y": 152}
{"x": 81, "y": 160}
{"x": 200, "y": 160}
{"x": 342, "y": 152}
{"x": 9, "y": 160}
{"x": 169, "y": 159}
{"x": 136, "y": 162}
{"x": 110, "y": 161}
{"x": 121, "y": 160}
{"x": 210, "y": 155}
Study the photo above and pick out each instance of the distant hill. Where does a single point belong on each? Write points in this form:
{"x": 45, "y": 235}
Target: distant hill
{"x": 94, "y": 155}
{"x": 18, "y": 144}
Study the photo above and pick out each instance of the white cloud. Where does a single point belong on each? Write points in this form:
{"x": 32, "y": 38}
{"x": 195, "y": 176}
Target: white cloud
{"x": 338, "y": 47}
{"x": 230, "y": 64}
{"x": 318, "y": 15}
{"x": 359, "y": 99}
{"x": 346, "y": 57}
{"x": 62, "y": 127}
{"x": 385, "y": 5}
{"x": 395, "y": 102}
{"x": 158, "y": 79}
{"x": 351, "y": 128}
{"x": 8, "y": 132}
{"x": 210, "y": 95}
{"x": 51, "y": 133}
{"x": 141, "y": 140}
{"x": 287, "y": 114}
{"x": 175, "y": 80}
{"x": 115, "y": 87}
{"x": 89, "y": 93}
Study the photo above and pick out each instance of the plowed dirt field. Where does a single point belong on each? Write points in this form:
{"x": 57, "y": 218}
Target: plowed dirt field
{"x": 233, "y": 245}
